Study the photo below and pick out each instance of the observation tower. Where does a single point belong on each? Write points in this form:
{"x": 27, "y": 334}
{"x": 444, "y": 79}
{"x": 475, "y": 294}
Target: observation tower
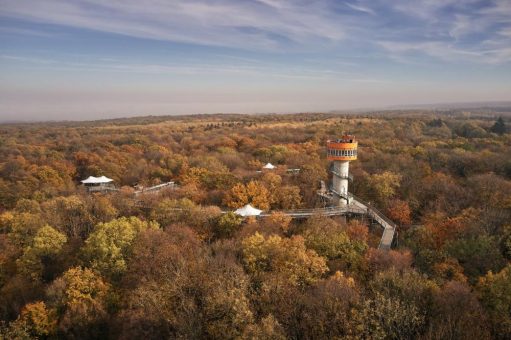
{"x": 341, "y": 151}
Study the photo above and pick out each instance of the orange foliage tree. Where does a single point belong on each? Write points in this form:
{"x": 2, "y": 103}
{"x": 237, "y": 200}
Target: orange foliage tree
{"x": 399, "y": 211}
{"x": 254, "y": 193}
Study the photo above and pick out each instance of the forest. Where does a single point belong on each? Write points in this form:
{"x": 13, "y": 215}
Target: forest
{"x": 179, "y": 264}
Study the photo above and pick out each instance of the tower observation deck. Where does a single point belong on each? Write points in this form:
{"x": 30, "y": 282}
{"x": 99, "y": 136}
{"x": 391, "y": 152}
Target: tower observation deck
{"x": 341, "y": 151}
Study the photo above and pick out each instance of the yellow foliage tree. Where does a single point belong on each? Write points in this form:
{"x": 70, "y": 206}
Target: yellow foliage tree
{"x": 273, "y": 183}
{"x": 280, "y": 220}
{"x": 80, "y": 297}
{"x": 385, "y": 184}
{"x": 107, "y": 248}
{"x": 289, "y": 197}
{"x": 37, "y": 319}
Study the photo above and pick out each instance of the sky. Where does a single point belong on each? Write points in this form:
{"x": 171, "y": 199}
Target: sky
{"x": 95, "y": 59}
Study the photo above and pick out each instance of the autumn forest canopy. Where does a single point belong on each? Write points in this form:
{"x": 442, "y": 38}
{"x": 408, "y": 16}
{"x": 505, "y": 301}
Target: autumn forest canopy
{"x": 178, "y": 263}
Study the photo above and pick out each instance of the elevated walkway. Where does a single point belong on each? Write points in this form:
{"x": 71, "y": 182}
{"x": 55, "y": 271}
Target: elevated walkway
{"x": 153, "y": 189}
{"x": 156, "y": 188}
{"x": 389, "y": 227}
{"x": 355, "y": 206}
{"x": 329, "y": 211}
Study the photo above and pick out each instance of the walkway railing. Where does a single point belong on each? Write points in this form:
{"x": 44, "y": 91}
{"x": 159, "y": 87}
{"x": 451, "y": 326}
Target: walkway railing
{"x": 328, "y": 211}
{"x": 156, "y": 188}
{"x": 355, "y": 206}
{"x": 102, "y": 189}
{"x": 389, "y": 227}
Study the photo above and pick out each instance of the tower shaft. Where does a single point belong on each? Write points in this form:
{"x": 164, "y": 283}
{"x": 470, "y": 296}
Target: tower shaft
{"x": 340, "y": 173}
{"x": 341, "y": 152}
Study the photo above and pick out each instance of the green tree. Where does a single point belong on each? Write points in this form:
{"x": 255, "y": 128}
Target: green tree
{"x": 228, "y": 224}
{"x": 495, "y": 294}
{"x": 109, "y": 245}
{"x": 385, "y": 185}
{"x": 15, "y": 331}
{"x": 506, "y": 242}
{"x": 169, "y": 211}
{"x": 477, "y": 255}
{"x": 286, "y": 256}
{"x": 470, "y": 130}
{"x": 329, "y": 240}
{"x": 499, "y": 127}
{"x": 46, "y": 244}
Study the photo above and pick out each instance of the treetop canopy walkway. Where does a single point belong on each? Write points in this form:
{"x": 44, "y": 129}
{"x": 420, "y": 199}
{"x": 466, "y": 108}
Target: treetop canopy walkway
{"x": 356, "y": 207}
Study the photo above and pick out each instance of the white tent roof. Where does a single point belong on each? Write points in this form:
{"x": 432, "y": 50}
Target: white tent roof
{"x": 248, "y": 210}
{"x": 93, "y": 179}
{"x": 269, "y": 166}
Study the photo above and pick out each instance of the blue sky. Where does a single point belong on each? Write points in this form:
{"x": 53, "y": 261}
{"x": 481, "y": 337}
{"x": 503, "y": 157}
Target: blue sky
{"x": 99, "y": 59}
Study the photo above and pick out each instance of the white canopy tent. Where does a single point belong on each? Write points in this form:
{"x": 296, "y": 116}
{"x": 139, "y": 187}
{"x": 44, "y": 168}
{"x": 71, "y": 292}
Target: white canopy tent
{"x": 248, "y": 210}
{"x": 269, "y": 166}
{"x": 97, "y": 180}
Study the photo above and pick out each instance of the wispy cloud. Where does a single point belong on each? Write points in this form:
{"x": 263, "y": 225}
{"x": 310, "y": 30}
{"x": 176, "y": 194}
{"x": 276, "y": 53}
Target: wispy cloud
{"x": 462, "y": 27}
{"x": 221, "y": 22}
{"x": 28, "y": 59}
{"x": 452, "y": 30}
{"x": 448, "y": 52}
{"x": 26, "y": 31}
{"x": 506, "y": 32}
{"x": 360, "y": 8}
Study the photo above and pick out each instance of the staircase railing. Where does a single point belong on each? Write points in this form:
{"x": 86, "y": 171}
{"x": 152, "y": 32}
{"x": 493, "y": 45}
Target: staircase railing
{"x": 381, "y": 219}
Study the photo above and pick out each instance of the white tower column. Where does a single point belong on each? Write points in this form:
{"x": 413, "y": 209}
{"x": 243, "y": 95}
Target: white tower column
{"x": 340, "y": 178}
